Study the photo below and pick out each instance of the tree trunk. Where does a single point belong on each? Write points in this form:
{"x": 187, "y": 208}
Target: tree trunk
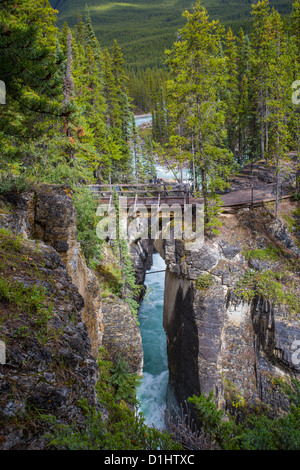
{"x": 205, "y": 195}
{"x": 194, "y": 170}
{"x": 262, "y": 131}
{"x": 277, "y": 195}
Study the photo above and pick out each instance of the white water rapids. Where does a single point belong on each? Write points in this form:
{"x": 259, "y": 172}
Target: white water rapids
{"x": 152, "y": 391}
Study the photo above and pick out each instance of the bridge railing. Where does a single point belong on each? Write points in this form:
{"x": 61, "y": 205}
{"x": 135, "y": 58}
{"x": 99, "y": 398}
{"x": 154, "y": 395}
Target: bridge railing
{"x": 162, "y": 191}
{"x": 140, "y": 189}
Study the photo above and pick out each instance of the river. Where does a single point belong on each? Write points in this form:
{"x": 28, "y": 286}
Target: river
{"x": 162, "y": 172}
{"x": 152, "y": 391}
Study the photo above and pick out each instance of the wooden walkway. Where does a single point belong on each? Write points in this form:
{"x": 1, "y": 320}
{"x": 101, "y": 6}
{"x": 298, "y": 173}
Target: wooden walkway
{"x": 165, "y": 193}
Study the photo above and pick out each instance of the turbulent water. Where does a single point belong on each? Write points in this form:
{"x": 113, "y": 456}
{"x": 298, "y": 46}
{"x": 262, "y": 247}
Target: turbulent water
{"x": 142, "y": 119}
{"x": 162, "y": 172}
{"x": 152, "y": 391}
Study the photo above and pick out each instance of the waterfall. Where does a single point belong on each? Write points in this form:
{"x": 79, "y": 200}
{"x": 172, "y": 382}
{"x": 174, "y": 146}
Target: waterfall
{"x": 152, "y": 392}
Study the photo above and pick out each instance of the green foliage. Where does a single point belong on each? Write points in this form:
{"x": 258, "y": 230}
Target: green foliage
{"x": 256, "y": 432}
{"x": 196, "y": 109}
{"x": 18, "y": 183}
{"x": 9, "y": 241}
{"x": 205, "y": 281}
{"x": 268, "y": 253}
{"x": 130, "y": 290}
{"x": 271, "y": 286}
{"x": 66, "y": 115}
{"x": 26, "y": 302}
{"x": 123, "y": 430}
{"x": 86, "y": 206}
{"x": 28, "y": 298}
{"x": 145, "y": 29}
{"x": 213, "y": 209}
{"x": 124, "y": 382}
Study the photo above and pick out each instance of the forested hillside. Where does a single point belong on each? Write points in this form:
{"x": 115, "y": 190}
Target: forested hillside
{"x": 145, "y": 29}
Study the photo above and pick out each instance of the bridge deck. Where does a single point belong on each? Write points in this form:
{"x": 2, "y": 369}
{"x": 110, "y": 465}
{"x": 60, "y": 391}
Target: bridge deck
{"x": 157, "y": 194}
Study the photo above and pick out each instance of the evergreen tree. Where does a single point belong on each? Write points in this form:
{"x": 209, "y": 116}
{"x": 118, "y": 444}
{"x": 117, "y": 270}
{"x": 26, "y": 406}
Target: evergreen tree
{"x": 197, "y": 70}
{"x": 259, "y": 69}
{"x": 232, "y": 93}
{"x": 244, "y": 116}
{"x": 90, "y": 36}
{"x": 278, "y": 98}
{"x": 30, "y": 69}
{"x": 294, "y": 114}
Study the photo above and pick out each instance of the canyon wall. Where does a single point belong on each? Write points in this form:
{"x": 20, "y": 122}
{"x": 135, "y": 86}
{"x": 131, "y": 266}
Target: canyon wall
{"x": 52, "y": 363}
{"x": 216, "y": 341}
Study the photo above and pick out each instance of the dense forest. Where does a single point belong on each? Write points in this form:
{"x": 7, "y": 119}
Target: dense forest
{"x": 144, "y": 29}
{"x": 229, "y": 98}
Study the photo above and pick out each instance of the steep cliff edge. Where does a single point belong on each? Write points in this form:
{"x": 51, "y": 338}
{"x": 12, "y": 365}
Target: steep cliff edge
{"x": 53, "y": 220}
{"x": 53, "y": 318}
{"x": 49, "y": 367}
{"x": 232, "y": 311}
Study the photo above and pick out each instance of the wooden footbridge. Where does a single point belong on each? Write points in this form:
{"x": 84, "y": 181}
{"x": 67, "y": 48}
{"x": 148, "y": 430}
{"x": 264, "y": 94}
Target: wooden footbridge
{"x": 175, "y": 193}
{"x": 146, "y": 194}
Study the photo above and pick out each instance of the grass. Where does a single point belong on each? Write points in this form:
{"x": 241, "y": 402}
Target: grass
{"x": 293, "y": 222}
{"x": 25, "y": 304}
{"x": 270, "y": 253}
{"x": 277, "y": 287}
{"x": 10, "y": 242}
{"x": 205, "y": 281}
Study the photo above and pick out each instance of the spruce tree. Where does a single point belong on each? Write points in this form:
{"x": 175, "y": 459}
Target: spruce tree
{"x": 198, "y": 79}
{"x": 30, "y": 69}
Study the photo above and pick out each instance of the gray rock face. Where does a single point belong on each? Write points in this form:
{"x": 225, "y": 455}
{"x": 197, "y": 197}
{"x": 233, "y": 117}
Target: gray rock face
{"x": 281, "y": 233}
{"x": 121, "y": 335}
{"x": 56, "y": 374}
{"x": 52, "y": 370}
{"x": 229, "y": 251}
{"x": 53, "y": 220}
{"x": 216, "y": 342}
{"x": 141, "y": 255}
{"x": 204, "y": 260}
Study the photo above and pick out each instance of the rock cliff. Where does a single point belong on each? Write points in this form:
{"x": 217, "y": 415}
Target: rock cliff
{"x": 224, "y": 333}
{"x": 49, "y": 362}
{"x": 52, "y": 318}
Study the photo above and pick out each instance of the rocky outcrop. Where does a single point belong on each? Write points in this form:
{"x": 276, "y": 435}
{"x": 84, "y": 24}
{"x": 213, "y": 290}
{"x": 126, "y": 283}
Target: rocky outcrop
{"x": 48, "y": 214}
{"x": 216, "y": 341}
{"x": 54, "y": 367}
{"x": 141, "y": 253}
{"x": 49, "y": 364}
{"x": 53, "y": 219}
{"x": 122, "y": 337}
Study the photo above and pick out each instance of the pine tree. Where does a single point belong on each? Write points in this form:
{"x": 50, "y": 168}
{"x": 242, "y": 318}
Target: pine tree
{"x": 278, "y": 97}
{"x": 243, "y": 53}
{"x": 295, "y": 76}
{"x": 67, "y": 91}
{"x": 232, "y": 93}
{"x": 197, "y": 71}
{"x": 259, "y": 65}
{"x": 90, "y": 36}
{"x": 31, "y": 72}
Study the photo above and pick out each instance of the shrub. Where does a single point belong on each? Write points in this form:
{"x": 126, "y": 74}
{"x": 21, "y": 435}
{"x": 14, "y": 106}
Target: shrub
{"x": 269, "y": 253}
{"x": 124, "y": 429}
{"x": 124, "y": 382}
{"x": 269, "y": 285}
{"x": 205, "y": 281}
{"x": 14, "y": 183}
{"x": 257, "y": 431}
{"x": 86, "y": 206}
